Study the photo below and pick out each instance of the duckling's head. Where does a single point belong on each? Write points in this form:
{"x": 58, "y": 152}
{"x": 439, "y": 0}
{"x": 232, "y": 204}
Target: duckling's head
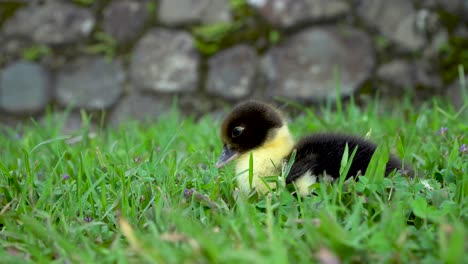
{"x": 248, "y": 126}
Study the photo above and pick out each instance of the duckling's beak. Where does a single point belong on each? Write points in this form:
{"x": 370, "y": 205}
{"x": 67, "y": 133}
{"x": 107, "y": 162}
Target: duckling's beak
{"x": 227, "y": 156}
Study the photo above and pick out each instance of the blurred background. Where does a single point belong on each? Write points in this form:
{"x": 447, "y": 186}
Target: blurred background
{"x": 130, "y": 59}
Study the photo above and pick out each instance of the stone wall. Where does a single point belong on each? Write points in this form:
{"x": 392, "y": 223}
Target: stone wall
{"x": 129, "y": 58}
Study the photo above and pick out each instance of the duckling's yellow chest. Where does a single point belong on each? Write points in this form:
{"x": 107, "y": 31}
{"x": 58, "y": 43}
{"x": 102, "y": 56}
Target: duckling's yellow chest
{"x": 267, "y": 161}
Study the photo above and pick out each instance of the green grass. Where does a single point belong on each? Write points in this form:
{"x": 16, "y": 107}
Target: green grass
{"x": 151, "y": 194}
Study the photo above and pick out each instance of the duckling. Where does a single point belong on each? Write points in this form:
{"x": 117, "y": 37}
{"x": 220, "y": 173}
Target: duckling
{"x": 259, "y": 129}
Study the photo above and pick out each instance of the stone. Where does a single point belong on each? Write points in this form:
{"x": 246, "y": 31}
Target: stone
{"x": 427, "y": 22}
{"x": 465, "y": 10}
{"x": 454, "y": 7}
{"x": 402, "y": 75}
{"x": 305, "y": 66}
{"x": 427, "y": 75}
{"x": 232, "y": 72}
{"x": 460, "y": 32}
{"x": 11, "y": 49}
{"x": 398, "y": 73}
{"x": 198, "y": 104}
{"x": 165, "y": 61}
{"x": 396, "y": 20}
{"x": 406, "y": 36}
{"x": 24, "y": 88}
{"x": 290, "y": 13}
{"x": 90, "y": 83}
{"x": 141, "y": 107}
{"x": 51, "y": 23}
{"x": 451, "y": 6}
{"x": 438, "y": 41}
{"x": 179, "y": 12}
{"x": 125, "y": 20}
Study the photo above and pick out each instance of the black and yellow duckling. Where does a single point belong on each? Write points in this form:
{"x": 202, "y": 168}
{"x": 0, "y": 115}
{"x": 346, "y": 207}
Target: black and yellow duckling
{"x": 259, "y": 128}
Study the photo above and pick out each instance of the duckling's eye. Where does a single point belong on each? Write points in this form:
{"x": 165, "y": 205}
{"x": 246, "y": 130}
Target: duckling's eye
{"x": 237, "y": 131}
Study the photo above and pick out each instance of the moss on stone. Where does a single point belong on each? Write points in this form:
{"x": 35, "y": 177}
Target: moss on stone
{"x": 8, "y": 9}
{"x": 448, "y": 20}
{"x": 246, "y": 27}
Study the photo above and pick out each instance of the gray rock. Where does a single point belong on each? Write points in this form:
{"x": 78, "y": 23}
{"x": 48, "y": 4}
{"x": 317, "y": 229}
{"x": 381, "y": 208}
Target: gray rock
{"x": 406, "y": 35}
{"x": 165, "y": 61}
{"x": 24, "y": 88}
{"x": 438, "y": 41}
{"x": 125, "y": 20}
{"x": 141, "y": 107}
{"x": 52, "y": 23}
{"x": 303, "y": 68}
{"x": 396, "y": 20}
{"x": 460, "y": 32}
{"x": 91, "y": 83}
{"x": 11, "y": 49}
{"x": 428, "y": 75}
{"x": 398, "y": 73}
{"x": 289, "y": 13}
{"x": 427, "y": 22}
{"x": 196, "y": 105}
{"x": 465, "y": 10}
{"x": 232, "y": 72}
{"x": 177, "y": 12}
{"x": 452, "y": 6}
{"x": 402, "y": 75}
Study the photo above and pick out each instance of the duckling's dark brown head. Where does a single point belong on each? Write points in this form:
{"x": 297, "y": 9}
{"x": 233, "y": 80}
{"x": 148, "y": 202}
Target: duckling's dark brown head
{"x": 247, "y": 127}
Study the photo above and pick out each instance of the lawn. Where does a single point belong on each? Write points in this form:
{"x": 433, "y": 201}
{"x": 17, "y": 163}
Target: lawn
{"x": 151, "y": 194}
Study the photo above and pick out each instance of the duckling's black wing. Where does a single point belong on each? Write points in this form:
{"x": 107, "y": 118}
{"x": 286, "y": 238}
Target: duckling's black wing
{"x": 322, "y": 153}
